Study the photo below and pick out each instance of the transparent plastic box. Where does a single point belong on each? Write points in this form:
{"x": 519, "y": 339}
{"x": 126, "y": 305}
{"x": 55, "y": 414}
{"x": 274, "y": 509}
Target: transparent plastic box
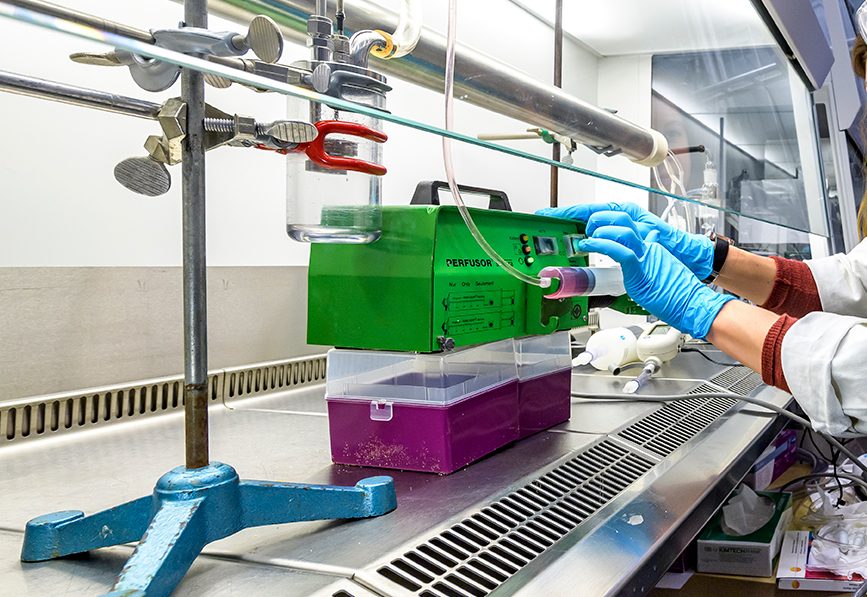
{"x": 544, "y": 381}
{"x": 432, "y": 379}
{"x": 422, "y": 412}
{"x": 541, "y": 355}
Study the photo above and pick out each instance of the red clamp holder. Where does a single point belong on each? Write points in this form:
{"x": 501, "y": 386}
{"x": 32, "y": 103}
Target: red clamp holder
{"x": 316, "y": 153}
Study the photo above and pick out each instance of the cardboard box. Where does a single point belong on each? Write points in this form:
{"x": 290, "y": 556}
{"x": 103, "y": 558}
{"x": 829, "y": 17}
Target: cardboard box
{"x": 749, "y": 555}
{"x": 773, "y": 462}
{"x": 793, "y": 573}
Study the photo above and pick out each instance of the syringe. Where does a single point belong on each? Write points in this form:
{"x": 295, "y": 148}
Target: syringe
{"x": 584, "y": 281}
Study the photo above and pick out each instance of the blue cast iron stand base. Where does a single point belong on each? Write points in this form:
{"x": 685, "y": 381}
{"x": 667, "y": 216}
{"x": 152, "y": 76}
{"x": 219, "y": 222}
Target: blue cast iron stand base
{"x": 188, "y": 510}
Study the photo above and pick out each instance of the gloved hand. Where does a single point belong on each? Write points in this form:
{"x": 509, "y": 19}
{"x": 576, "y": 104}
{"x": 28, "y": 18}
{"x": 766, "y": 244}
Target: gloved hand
{"x": 657, "y": 281}
{"x": 695, "y": 251}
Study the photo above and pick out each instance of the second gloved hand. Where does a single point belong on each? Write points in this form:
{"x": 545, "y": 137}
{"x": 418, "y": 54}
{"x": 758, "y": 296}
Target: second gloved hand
{"x": 693, "y": 250}
{"x": 657, "y": 281}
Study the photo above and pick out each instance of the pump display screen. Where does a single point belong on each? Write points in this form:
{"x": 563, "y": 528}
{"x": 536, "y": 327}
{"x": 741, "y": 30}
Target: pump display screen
{"x": 545, "y": 245}
{"x": 659, "y": 330}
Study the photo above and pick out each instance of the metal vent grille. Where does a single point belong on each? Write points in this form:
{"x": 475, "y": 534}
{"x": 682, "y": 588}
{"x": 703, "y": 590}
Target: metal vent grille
{"x": 268, "y": 377}
{"x": 746, "y": 386}
{"x": 667, "y": 429}
{"x": 475, "y": 556}
{"x": 732, "y": 378}
{"x": 46, "y": 416}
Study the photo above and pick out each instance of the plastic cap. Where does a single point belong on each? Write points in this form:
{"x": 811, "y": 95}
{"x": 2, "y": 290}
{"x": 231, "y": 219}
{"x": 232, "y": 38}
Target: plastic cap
{"x": 584, "y": 358}
{"x": 631, "y": 387}
{"x": 658, "y": 153}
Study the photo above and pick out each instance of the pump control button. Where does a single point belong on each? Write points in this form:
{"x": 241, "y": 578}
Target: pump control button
{"x": 525, "y": 238}
{"x": 526, "y": 249}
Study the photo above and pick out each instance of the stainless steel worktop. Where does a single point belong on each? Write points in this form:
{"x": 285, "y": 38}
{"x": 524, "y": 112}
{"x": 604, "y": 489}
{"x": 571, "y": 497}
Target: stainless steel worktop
{"x": 660, "y": 473}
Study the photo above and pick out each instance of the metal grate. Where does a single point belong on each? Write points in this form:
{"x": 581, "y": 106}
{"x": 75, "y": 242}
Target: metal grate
{"x": 47, "y": 416}
{"x": 664, "y": 431}
{"x": 731, "y": 378}
{"x": 475, "y": 556}
{"x": 746, "y": 385}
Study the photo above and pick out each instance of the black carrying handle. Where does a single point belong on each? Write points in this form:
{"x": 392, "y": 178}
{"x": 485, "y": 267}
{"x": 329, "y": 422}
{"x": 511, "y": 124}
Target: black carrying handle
{"x": 427, "y": 193}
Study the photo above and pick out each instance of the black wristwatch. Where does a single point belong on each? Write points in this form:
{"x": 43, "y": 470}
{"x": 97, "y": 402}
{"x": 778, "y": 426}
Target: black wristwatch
{"x": 721, "y": 246}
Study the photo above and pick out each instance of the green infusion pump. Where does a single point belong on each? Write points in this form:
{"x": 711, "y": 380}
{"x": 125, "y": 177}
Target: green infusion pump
{"x": 426, "y": 285}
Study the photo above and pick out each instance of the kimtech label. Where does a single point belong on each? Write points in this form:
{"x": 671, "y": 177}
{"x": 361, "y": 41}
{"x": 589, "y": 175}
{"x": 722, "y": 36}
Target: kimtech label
{"x": 469, "y": 263}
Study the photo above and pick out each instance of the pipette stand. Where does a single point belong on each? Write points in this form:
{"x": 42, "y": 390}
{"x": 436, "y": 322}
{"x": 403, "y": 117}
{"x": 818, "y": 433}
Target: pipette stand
{"x": 202, "y": 501}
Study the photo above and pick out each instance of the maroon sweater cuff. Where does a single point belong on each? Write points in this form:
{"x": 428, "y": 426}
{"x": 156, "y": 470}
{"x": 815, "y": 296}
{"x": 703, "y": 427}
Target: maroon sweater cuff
{"x": 772, "y": 363}
{"x": 794, "y": 292}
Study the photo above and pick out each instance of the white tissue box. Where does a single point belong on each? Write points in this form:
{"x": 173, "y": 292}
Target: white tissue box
{"x": 749, "y": 555}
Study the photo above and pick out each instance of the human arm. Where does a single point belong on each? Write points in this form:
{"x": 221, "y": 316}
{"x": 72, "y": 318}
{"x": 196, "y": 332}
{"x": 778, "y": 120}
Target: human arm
{"x": 818, "y": 358}
{"x": 747, "y": 275}
{"x": 779, "y": 285}
{"x": 739, "y": 330}
{"x": 657, "y": 281}
{"x": 841, "y": 281}
{"x": 695, "y": 251}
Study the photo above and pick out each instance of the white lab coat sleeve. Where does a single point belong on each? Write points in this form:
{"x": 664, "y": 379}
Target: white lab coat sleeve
{"x": 842, "y": 281}
{"x": 824, "y": 364}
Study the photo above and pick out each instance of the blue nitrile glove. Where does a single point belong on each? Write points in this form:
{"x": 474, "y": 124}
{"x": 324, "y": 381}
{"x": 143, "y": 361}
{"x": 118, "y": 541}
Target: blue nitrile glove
{"x": 657, "y": 281}
{"x": 695, "y": 251}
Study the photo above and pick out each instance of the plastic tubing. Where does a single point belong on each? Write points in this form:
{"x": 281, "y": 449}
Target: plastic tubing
{"x": 585, "y": 281}
{"x": 447, "y": 156}
{"x": 407, "y": 33}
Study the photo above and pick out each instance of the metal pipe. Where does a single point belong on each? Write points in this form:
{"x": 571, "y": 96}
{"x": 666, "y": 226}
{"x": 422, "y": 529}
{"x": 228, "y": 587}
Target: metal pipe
{"x": 558, "y": 83}
{"x": 77, "y": 96}
{"x": 723, "y": 181}
{"x": 81, "y": 18}
{"x": 360, "y": 45}
{"x": 195, "y": 277}
{"x": 479, "y": 79}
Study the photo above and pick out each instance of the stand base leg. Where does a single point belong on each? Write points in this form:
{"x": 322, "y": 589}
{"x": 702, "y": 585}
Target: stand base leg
{"x": 173, "y": 540}
{"x": 63, "y": 533}
{"x": 188, "y": 510}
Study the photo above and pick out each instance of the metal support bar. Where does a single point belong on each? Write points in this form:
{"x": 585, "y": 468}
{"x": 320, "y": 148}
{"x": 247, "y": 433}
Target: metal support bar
{"x": 558, "y": 83}
{"x": 195, "y": 277}
{"x": 74, "y": 16}
{"x": 77, "y": 96}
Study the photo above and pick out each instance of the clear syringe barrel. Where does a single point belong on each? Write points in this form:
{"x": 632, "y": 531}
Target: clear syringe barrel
{"x": 585, "y": 281}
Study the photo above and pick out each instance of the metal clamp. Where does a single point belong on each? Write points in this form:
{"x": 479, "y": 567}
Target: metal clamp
{"x": 316, "y": 153}
{"x": 149, "y": 176}
{"x": 263, "y": 37}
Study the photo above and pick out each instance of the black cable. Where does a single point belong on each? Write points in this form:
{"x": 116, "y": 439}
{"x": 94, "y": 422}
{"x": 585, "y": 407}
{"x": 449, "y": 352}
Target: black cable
{"x": 834, "y": 456}
{"x": 705, "y": 355}
{"x": 815, "y": 445}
